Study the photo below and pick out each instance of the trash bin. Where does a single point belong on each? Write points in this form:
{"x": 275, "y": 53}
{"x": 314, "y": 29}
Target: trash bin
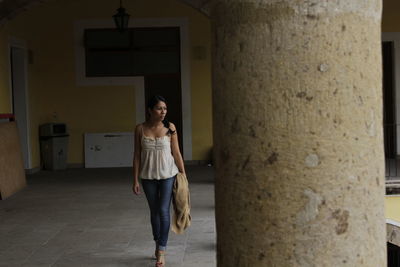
{"x": 54, "y": 145}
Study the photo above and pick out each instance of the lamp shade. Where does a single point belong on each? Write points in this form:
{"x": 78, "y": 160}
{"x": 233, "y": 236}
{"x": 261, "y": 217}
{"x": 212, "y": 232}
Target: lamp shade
{"x": 121, "y": 19}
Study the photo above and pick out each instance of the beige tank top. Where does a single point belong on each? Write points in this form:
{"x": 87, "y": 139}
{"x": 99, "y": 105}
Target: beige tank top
{"x": 156, "y": 159}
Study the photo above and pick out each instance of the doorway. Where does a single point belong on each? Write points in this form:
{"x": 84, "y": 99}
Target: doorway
{"x": 164, "y": 59}
{"x": 18, "y": 67}
{"x": 168, "y": 86}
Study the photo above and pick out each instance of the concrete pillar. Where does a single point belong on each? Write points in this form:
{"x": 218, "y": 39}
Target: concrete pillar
{"x": 298, "y": 133}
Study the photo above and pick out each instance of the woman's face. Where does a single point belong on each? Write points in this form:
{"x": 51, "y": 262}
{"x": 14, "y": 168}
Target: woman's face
{"x": 159, "y": 111}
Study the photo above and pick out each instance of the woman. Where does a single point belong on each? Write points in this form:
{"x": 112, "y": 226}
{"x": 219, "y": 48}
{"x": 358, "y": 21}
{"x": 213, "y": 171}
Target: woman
{"x": 156, "y": 161}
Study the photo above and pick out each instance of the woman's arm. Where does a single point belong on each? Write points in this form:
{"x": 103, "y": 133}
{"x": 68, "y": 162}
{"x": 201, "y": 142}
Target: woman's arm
{"x": 176, "y": 153}
{"x": 136, "y": 159}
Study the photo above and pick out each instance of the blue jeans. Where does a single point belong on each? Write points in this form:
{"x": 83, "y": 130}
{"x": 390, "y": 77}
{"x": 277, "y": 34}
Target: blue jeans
{"x": 159, "y": 194}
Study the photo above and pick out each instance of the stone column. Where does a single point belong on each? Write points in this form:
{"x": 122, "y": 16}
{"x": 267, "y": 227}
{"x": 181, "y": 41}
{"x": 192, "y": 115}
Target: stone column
{"x": 298, "y": 133}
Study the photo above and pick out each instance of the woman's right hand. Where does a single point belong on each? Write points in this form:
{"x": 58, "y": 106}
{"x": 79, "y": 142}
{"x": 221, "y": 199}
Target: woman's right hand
{"x": 136, "y": 188}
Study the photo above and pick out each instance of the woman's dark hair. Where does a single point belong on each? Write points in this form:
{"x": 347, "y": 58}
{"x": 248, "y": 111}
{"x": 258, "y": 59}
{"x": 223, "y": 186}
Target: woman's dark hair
{"x": 154, "y": 101}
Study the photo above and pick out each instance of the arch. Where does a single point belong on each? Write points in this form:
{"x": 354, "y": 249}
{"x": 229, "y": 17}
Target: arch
{"x": 11, "y": 8}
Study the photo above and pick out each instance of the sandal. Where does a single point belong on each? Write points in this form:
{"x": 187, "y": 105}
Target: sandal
{"x": 160, "y": 259}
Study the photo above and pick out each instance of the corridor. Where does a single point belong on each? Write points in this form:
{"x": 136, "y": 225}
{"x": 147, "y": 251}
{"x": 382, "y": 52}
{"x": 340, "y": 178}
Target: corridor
{"x": 89, "y": 217}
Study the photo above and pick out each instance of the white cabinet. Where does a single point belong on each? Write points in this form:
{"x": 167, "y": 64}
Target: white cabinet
{"x": 104, "y": 150}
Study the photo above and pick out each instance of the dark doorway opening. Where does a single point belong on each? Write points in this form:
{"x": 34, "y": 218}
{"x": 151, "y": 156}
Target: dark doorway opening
{"x": 168, "y": 86}
{"x": 393, "y": 255}
{"x": 389, "y": 111}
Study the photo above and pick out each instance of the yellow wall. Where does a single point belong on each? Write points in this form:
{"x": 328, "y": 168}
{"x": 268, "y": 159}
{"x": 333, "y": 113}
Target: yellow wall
{"x": 51, "y": 77}
{"x": 392, "y": 207}
{"x": 5, "y": 105}
{"x": 201, "y": 93}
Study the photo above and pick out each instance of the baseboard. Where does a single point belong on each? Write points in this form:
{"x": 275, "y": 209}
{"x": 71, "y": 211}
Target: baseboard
{"x": 81, "y": 165}
{"x": 75, "y": 165}
{"x": 32, "y": 171}
{"x": 69, "y": 166}
{"x": 197, "y": 162}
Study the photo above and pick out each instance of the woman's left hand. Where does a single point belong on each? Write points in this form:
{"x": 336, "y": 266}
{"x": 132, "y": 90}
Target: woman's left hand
{"x": 136, "y": 189}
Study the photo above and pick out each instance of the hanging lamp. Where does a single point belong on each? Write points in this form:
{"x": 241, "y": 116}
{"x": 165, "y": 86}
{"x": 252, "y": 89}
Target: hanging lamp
{"x": 121, "y": 19}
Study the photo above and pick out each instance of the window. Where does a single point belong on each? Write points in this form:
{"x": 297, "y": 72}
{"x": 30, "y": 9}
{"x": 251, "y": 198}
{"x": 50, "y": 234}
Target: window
{"x": 135, "y": 52}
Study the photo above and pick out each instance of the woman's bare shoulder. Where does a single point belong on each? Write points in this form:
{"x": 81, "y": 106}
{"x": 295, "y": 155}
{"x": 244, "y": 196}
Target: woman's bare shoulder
{"x": 139, "y": 127}
{"x": 172, "y": 126}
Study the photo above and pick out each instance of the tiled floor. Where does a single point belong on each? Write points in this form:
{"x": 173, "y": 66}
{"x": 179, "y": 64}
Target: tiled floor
{"x": 89, "y": 217}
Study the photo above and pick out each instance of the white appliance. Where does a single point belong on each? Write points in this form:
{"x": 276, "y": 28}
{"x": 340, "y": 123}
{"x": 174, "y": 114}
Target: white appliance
{"x": 103, "y": 150}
